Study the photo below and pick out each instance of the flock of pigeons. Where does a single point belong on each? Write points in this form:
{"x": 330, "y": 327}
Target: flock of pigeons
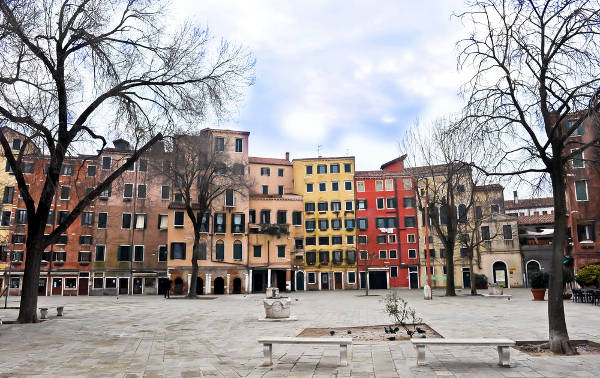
{"x": 391, "y": 330}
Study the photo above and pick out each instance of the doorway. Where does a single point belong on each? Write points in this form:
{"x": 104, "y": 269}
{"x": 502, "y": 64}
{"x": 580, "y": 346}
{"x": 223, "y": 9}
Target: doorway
{"x": 219, "y": 286}
{"x": 123, "y": 286}
{"x": 324, "y": 281}
{"x": 363, "y": 280}
{"x": 178, "y": 286}
{"x": 83, "y": 286}
{"x": 41, "y": 286}
{"x": 338, "y": 280}
{"x": 163, "y": 285}
{"x": 57, "y": 286}
{"x": 299, "y": 281}
{"x": 466, "y": 276}
{"x": 199, "y": 286}
{"x": 259, "y": 278}
{"x": 377, "y": 280}
{"x": 413, "y": 277}
{"x": 237, "y": 286}
{"x": 500, "y": 276}
{"x": 137, "y": 285}
{"x": 280, "y": 280}
{"x": 531, "y": 267}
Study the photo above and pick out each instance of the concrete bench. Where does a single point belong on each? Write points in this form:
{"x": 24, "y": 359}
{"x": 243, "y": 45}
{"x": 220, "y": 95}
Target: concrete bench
{"x": 502, "y": 344}
{"x": 343, "y": 342}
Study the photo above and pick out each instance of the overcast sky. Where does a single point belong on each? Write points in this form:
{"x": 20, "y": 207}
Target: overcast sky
{"x": 347, "y": 75}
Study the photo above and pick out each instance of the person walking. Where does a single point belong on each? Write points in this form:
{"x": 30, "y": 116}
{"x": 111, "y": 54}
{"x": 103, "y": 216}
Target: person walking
{"x": 168, "y": 291}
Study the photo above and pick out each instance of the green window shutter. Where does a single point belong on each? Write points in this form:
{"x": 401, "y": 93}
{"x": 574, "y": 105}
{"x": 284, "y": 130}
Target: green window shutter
{"x": 281, "y": 251}
{"x": 237, "y": 251}
{"x": 220, "y": 251}
{"x": 257, "y": 251}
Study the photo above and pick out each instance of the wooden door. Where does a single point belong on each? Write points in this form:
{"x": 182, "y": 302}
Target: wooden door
{"x": 338, "y": 280}
{"x": 57, "y": 286}
{"x": 83, "y": 285}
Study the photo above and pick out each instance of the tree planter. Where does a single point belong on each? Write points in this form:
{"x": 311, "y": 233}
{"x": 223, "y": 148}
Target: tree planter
{"x": 538, "y": 294}
{"x": 567, "y": 295}
{"x": 59, "y": 310}
{"x": 43, "y": 313}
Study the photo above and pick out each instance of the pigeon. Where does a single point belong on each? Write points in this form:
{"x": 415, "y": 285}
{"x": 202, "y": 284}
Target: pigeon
{"x": 385, "y": 329}
{"x": 332, "y": 332}
{"x": 421, "y": 330}
{"x": 396, "y": 329}
{"x": 409, "y": 332}
{"x": 349, "y": 332}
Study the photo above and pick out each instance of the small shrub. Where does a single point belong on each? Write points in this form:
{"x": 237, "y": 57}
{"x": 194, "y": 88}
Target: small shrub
{"x": 539, "y": 280}
{"x": 588, "y": 275}
{"x": 481, "y": 281}
{"x": 397, "y": 308}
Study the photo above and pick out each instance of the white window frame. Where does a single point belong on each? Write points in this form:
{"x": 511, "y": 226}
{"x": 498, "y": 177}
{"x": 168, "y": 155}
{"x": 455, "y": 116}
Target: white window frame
{"x": 312, "y": 189}
{"x": 348, "y": 277}
{"x": 158, "y": 253}
{"x": 144, "y": 217}
{"x": 360, "y": 186}
{"x": 314, "y": 278}
{"x": 384, "y": 254}
{"x": 160, "y": 217}
{"x": 69, "y": 197}
{"x": 390, "y": 254}
{"x": 392, "y": 268}
{"x": 390, "y": 187}
{"x": 109, "y": 166}
{"x": 360, "y": 255}
{"x": 338, "y": 186}
{"x": 409, "y": 237}
{"x": 96, "y": 246}
{"x": 132, "y": 188}
{"x": 351, "y": 188}
{"x": 377, "y": 184}
{"x": 351, "y": 205}
{"x": 350, "y": 236}
{"x": 143, "y": 252}
{"x": 414, "y": 252}
{"x": 130, "y": 221}
{"x": 377, "y": 203}
{"x": 587, "y": 196}
{"x": 137, "y": 193}
{"x": 98, "y": 225}
{"x": 324, "y": 183}
{"x": 582, "y": 160}
{"x": 174, "y": 217}
{"x": 162, "y": 192}
{"x": 392, "y": 238}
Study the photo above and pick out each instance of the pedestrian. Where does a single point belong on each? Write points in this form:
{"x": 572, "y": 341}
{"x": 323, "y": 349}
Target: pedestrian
{"x": 168, "y": 291}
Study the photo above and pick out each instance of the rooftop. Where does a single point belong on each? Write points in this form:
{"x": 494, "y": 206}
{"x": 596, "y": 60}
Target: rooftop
{"x": 536, "y": 219}
{"x": 528, "y": 203}
{"x": 271, "y": 161}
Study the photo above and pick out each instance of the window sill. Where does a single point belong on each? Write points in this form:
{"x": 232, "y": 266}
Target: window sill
{"x": 178, "y": 226}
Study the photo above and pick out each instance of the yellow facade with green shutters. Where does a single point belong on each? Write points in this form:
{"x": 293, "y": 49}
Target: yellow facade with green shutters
{"x": 327, "y": 187}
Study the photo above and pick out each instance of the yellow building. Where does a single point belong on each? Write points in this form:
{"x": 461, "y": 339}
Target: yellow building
{"x": 275, "y": 230}
{"x": 327, "y": 188}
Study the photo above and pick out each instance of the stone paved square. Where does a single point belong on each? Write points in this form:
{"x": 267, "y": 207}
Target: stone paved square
{"x": 151, "y": 336}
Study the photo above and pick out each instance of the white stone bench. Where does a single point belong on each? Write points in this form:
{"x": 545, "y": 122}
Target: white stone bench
{"x": 502, "y": 344}
{"x": 268, "y": 342}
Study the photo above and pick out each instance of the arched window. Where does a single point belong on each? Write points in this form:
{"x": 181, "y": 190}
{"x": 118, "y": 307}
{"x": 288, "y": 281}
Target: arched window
{"x": 444, "y": 214}
{"x": 237, "y": 250}
{"x": 220, "y": 250}
{"x": 462, "y": 213}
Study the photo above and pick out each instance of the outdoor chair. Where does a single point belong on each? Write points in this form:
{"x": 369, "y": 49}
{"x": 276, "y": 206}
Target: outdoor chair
{"x": 577, "y": 295}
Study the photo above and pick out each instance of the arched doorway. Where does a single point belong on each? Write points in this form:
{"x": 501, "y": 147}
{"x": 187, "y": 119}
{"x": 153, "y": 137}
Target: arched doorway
{"x": 237, "y": 286}
{"x": 531, "y": 267}
{"x": 199, "y": 286}
{"x": 178, "y": 289}
{"x": 299, "y": 281}
{"x": 219, "y": 286}
{"x": 500, "y": 273}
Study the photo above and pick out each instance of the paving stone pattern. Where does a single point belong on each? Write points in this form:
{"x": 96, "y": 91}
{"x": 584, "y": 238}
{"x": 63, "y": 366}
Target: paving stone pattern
{"x": 152, "y": 336}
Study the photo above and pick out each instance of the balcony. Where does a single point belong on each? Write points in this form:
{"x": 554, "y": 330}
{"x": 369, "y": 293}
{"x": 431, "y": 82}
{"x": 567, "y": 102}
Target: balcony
{"x": 270, "y": 229}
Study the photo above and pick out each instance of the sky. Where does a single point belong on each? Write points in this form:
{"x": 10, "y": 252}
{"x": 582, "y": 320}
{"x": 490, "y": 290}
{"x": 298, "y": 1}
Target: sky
{"x": 338, "y": 77}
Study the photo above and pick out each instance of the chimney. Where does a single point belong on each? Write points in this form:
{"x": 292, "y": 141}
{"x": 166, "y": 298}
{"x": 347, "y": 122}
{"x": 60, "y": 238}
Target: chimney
{"x": 516, "y": 197}
{"x": 287, "y": 156}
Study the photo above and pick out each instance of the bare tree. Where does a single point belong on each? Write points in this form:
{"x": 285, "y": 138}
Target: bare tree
{"x": 71, "y": 70}
{"x": 205, "y": 175}
{"x": 535, "y": 65}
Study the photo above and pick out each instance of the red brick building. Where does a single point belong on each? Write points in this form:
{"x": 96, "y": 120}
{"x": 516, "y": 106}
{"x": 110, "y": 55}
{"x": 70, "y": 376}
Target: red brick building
{"x": 387, "y": 237}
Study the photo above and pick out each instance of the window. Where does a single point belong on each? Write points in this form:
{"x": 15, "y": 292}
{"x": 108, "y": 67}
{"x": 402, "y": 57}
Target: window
{"x": 410, "y": 238}
{"x": 131, "y": 168}
{"x": 165, "y": 192}
{"x": 390, "y": 203}
{"x": 65, "y": 192}
{"x": 138, "y": 253}
{"x": 220, "y": 250}
{"x": 87, "y": 218}
{"x": 100, "y": 253}
{"x": 219, "y": 144}
{"x": 16, "y": 144}
{"x": 297, "y": 218}
{"x": 321, "y": 168}
{"x": 281, "y": 251}
{"x": 309, "y": 188}
{"x": 257, "y": 250}
{"x": 378, "y": 185}
{"x": 178, "y": 197}
{"x": 66, "y": 169}
{"x": 578, "y": 161}
{"x": 323, "y": 224}
{"x": 410, "y": 222}
{"x": 382, "y": 254}
{"x": 280, "y": 172}
{"x": 220, "y": 223}
{"x": 507, "y": 232}
{"x": 462, "y": 213}
{"x": 141, "y": 191}
{"x": 62, "y": 215}
{"x": 431, "y": 253}
{"x": 393, "y": 271}
{"x": 363, "y": 223}
{"x": 334, "y": 168}
{"x": 336, "y": 224}
{"x": 464, "y": 252}
{"x": 299, "y": 244}
{"x": 309, "y": 224}
{"x": 128, "y": 191}
{"x": 362, "y": 239}
{"x": 124, "y": 253}
{"x": 163, "y": 221}
{"x": 336, "y": 206}
{"x": 265, "y": 171}
{"x": 412, "y": 253}
{"x": 237, "y": 250}
{"x": 408, "y": 202}
{"x": 322, "y": 206}
{"x": 581, "y": 193}
{"x": 21, "y": 216}
{"x": 265, "y": 189}
{"x": 311, "y": 277}
{"x": 281, "y": 217}
{"x": 485, "y": 233}
{"x": 143, "y": 165}
{"x": 311, "y": 240}
{"x": 91, "y": 171}
{"x": 8, "y": 168}
{"x": 18, "y": 238}
{"x": 324, "y": 257}
{"x": 495, "y": 209}
{"x": 280, "y": 190}
{"x": 323, "y": 240}
{"x": 336, "y": 240}
{"x": 50, "y": 219}
{"x": 5, "y": 222}
{"x": 364, "y": 255}
{"x": 571, "y": 123}
{"x": 107, "y": 192}
{"x": 585, "y": 233}
{"x": 478, "y": 212}
{"x": 204, "y": 221}
{"x": 322, "y": 187}
{"x": 229, "y": 198}
{"x": 335, "y": 186}
{"x": 380, "y": 203}
{"x": 9, "y": 193}
{"x": 348, "y": 205}
{"x": 126, "y": 220}
{"x": 350, "y": 239}
{"x": 389, "y": 185}
{"x": 361, "y": 204}
{"x": 178, "y": 251}
{"x": 238, "y": 169}
{"x": 309, "y": 207}
{"x": 309, "y": 169}
{"x": 381, "y": 239}
{"x": 360, "y": 186}
{"x": 106, "y": 162}
{"x": 162, "y": 253}
{"x": 140, "y": 221}
{"x": 252, "y": 216}
{"x": 237, "y": 223}
{"x": 348, "y": 185}
{"x": 265, "y": 216}
{"x": 239, "y": 143}
{"x": 347, "y": 167}
{"x": 178, "y": 219}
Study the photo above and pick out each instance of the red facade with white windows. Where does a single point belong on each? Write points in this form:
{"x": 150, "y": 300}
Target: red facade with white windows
{"x": 387, "y": 237}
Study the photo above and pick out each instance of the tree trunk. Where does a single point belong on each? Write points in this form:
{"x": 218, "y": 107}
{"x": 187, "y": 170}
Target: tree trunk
{"x": 31, "y": 279}
{"x": 367, "y": 281}
{"x": 194, "y": 278}
{"x": 450, "y": 289}
{"x": 473, "y": 280}
{"x": 559, "y": 336}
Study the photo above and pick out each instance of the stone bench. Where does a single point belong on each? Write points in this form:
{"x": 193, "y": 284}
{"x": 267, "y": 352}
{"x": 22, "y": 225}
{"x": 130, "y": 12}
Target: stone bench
{"x": 268, "y": 342}
{"x": 502, "y": 344}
